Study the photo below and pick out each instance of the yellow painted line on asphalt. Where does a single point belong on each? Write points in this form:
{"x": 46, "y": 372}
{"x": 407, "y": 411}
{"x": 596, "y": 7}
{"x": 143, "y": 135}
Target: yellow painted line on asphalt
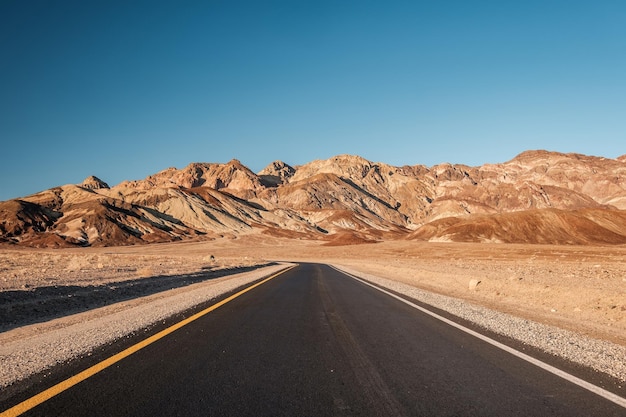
{"x": 89, "y": 372}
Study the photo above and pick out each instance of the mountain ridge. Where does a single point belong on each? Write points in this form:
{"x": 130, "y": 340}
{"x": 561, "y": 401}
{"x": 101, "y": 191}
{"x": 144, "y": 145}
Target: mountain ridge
{"x": 560, "y": 198}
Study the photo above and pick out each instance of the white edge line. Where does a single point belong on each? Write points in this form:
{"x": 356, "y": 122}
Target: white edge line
{"x": 558, "y": 372}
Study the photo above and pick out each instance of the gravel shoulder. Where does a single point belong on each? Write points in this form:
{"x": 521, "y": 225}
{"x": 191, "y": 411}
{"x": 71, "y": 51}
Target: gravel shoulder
{"x": 601, "y": 355}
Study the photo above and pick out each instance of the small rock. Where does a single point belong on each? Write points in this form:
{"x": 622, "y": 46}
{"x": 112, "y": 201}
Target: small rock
{"x": 473, "y": 284}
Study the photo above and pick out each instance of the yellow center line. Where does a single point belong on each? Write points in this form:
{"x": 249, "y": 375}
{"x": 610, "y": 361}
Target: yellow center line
{"x": 89, "y": 372}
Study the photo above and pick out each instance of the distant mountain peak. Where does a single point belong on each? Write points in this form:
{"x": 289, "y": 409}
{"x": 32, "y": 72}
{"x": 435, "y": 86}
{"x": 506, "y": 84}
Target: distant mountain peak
{"x": 276, "y": 173}
{"x": 94, "y": 183}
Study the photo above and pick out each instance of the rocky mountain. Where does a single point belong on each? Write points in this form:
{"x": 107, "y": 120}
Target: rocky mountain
{"x": 537, "y": 197}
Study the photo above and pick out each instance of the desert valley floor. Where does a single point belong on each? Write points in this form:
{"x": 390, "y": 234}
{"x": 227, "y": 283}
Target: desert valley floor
{"x": 568, "y": 301}
{"x": 580, "y": 288}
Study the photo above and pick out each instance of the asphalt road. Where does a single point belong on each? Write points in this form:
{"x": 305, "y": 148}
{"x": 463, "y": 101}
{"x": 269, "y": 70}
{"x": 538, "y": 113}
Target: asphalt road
{"x": 315, "y": 342}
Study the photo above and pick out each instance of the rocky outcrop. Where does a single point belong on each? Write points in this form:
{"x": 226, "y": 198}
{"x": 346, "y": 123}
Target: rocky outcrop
{"x": 94, "y": 183}
{"x": 537, "y": 197}
{"x": 276, "y": 173}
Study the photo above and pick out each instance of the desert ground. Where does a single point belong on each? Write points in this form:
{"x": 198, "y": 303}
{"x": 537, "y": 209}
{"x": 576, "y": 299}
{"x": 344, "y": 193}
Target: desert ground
{"x": 581, "y": 289}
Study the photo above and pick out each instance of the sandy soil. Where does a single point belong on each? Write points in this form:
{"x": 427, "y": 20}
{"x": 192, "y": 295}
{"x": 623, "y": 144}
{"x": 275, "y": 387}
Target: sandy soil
{"x": 38, "y": 286}
{"x": 578, "y": 288}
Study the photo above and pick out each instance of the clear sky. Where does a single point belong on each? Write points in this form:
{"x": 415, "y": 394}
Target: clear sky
{"x": 124, "y": 89}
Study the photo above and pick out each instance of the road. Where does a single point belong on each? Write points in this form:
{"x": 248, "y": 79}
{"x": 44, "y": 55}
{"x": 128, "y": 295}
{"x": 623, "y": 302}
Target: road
{"x": 315, "y": 342}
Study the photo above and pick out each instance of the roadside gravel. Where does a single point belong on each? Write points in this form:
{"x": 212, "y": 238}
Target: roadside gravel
{"x": 600, "y": 355}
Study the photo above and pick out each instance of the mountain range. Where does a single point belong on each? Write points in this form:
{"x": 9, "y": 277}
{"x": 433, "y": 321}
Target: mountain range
{"x": 537, "y": 197}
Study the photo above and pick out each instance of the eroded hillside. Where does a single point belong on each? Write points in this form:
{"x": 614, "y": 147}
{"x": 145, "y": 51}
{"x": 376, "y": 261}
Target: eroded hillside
{"x": 537, "y": 197}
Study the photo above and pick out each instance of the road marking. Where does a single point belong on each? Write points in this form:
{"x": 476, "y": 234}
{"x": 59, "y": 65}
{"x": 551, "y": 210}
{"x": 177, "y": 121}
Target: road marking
{"x": 556, "y": 371}
{"x": 89, "y": 372}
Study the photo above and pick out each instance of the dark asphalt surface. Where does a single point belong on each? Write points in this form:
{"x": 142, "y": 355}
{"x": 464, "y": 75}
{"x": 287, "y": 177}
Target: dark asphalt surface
{"x": 314, "y": 342}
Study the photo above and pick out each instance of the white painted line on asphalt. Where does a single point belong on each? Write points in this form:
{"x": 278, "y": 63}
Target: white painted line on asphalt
{"x": 556, "y": 371}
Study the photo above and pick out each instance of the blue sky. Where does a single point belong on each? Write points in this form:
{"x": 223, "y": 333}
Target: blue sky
{"x": 124, "y": 89}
